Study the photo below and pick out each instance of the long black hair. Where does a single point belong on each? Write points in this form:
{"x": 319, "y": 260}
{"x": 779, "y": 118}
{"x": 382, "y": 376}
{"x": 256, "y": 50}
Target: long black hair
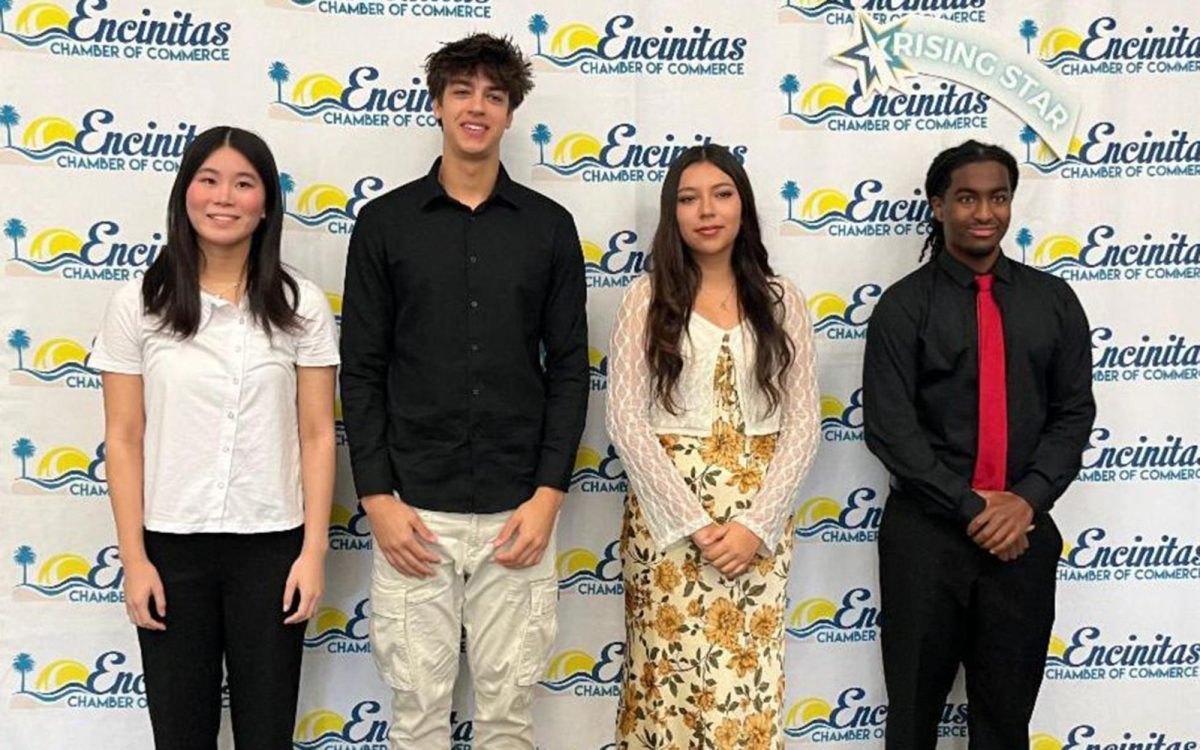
{"x": 675, "y": 279}
{"x": 171, "y": 287}
{"x": 937, "y": 181}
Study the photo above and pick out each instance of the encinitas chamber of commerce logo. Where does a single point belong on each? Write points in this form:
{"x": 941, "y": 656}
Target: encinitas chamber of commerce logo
{"x": 619, "y": 156}
{"x": 583, "y": 571}
{"x": 852, "y": 718}
{"x": 852, "y": 521}
{"x": 597, "y": 370}
{"x": 1087, "y": 737}
{"x": 92, "y": 29}
{"x": 842, "y": 421}
{"x": 61, "y": 470}
{"x": 598, "y": 472}
{"x": 325, "y": 207}
{"x": 615, "y": 265}
{"x": 1109, "y": 152}
{"x": 928, "y": 105}
{"x": 349, "y": 530}
{"x": 435, "y": 9}
{"x": 579, "y": 673}
{"x": 365, "y": 729}
{"x": 841, "y": 12}
{"x": 1110, "y": 457}
{"x": 1106, "y": 48}
{"x": 871, "y": 212}
{"x": 836, "y": 319}
{"x": 1106, "y": 254}
{"x": 360, "y": 102}
{"x": 1090, "y": 655}
{"x": 333, "y": 631}
{"x": 680, "y": 49}
{"x": 854, "y": 620}
{"x": 57, "y": 362}
{"x": 70, "y": 577}
{"x": 1158, "y": 358}
{"x": 103, "y": 253}
{"x": 1096, "y": 558}
{"x": 67, "y": 683}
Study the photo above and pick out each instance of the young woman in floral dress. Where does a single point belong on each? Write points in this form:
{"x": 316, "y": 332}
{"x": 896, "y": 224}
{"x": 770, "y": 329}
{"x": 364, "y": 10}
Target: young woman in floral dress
{"x": 713, "y": 407}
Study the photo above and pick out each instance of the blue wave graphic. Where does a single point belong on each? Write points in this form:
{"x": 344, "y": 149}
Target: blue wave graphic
{"x": 45, "y": 37}
{"x": 837, "y": 422}
{"x": 569, "y": 682}
{"x": 580, "y": 576}
{"x": 1056, "y": 661}
{"x": 832, "y": 321}
{"x": 820, "y": 10}
{"x": 327, "y": 636}
{"x": 820, "y": 117}
{"x": 60, "y": 372}
{"x": 812, "y": 629}
{"x": 808, "y": 728}
{"x": 73, "y": 688}
{"x": 69, "y": 584}
{"x": 341, "y": 532}
{"x": 579, "y": 55}
{"x": 818, "y": 528}
{"x": 58, "y": 261}
{"x": 316, "y": 108}
{"x": 328, "y": 214}
{"x": 326, "y": 740}
{"x": 54, "y": 483}
{"x": 1062, "y": 58}
{"x": 820, "y": 223}
{"x": 49, "y": 152}
{"x": 576, "y": 166}
{"x": 1064, "y": 263}
{"x": 1054, "y": 166}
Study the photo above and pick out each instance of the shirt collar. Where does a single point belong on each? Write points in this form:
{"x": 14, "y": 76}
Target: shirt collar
{"x": 964, "y": 276}
{"x": 433, "y": 192}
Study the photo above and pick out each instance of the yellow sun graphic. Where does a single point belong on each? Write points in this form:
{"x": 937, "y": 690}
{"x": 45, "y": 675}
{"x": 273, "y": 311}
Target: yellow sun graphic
{"x": 61, "y": 567}
{"x": 832, "y": 406}
{"x": 1058, "y": 647}
{"x": 1059, "y": 39}
{"x": 46, "y": 131}
{"x": 1045, "y": 154}
{"x": 825, "y": 304}
{"x": 572, "y": 37}
{"x": 591, "y": 252}
{"x": 314, "y": 87}
{"x": 39, "y": 17}
{"x": 59, "y": 673}
{"x": 61, "y": 460}
{"x": 57, "y": 352}
{"x": 317, "y": 723}
{"x": 576, "y": 146}
{"x": 568, "y": 663}
{"x": 340, "y": 515}
{"x": 1056, "y": 246}
{"x": 822, "y": 96}
{"x": 52, "y": 243}
{"x": 328, "y": 618}
{"x": 808, "y": 710}
{"x": 587, "y": 458}
{"x": 335, "y": 302}
{"x": 595, "y": 356}
{"x": 574, "y": 560}
{"x": 817, "y": 509}
{"x": 811, "y": 610}
{"x": 824, "y": 201}
{"x": 1043, "y": 741}
{"x": 316, "y": 198}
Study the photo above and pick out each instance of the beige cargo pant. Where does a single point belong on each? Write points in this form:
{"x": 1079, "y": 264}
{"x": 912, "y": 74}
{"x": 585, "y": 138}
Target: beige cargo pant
{"x": 416, "y": 623}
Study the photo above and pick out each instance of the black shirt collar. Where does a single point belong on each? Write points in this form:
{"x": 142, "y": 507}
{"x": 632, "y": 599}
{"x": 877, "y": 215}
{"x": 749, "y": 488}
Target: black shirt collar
{"x": 963, "y": 276}
{"x": 433, "y": 192}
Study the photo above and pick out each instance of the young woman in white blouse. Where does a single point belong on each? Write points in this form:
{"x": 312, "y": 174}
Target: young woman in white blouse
{"x": 218, "y": 396}
{"x": 713, "y": 408}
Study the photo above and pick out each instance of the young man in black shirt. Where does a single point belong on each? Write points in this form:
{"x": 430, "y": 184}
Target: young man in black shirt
{"x": 464, "y": 391}
{"x": 978, "y": 400}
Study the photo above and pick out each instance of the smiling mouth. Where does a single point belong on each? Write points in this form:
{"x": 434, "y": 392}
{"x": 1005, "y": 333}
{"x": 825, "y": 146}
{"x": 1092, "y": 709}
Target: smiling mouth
{"x": 474, "y": 128}
{"x": 982, "y": 232}
{"x": 708, "y": 231}
{"x": 223, "y": 218}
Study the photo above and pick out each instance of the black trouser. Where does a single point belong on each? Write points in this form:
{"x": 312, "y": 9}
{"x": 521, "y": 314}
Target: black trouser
{"x": 224, "y": 600}
{"x": 945, "y": 601}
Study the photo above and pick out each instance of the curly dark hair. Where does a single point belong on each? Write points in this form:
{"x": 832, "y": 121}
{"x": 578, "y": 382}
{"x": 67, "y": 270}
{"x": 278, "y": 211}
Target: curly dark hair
{"x": 496, "y": 57}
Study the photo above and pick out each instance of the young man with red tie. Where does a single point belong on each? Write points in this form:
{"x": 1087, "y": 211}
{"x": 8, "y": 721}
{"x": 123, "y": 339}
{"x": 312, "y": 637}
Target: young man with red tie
{"x": 978, "y": 400}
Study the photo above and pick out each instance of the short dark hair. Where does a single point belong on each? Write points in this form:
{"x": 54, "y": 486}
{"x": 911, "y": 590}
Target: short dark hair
{"x": 496, "y": 57}
{"x": 937, "y": 181}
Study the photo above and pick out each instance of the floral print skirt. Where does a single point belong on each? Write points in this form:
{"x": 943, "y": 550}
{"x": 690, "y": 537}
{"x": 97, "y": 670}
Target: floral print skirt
{"x": 704, "y": 655}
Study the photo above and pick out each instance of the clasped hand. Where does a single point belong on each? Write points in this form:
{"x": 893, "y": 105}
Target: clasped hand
{"x": 1003, "y": 527}
{"x": 729, "y": 547}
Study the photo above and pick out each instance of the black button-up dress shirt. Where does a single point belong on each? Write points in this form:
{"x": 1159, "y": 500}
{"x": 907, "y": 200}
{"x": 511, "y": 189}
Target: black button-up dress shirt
{"x": 464, "y": 347}
{"x": 921, "y": 376}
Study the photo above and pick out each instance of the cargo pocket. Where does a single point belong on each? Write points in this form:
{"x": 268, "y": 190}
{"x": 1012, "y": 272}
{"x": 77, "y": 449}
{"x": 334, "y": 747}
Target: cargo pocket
{"x": 541, "y": 627}
{"x": 389, "y": 639}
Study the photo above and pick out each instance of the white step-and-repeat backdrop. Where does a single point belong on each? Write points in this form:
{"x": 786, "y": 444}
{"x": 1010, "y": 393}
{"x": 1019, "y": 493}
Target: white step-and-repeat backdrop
{"x": 98, "y": 99}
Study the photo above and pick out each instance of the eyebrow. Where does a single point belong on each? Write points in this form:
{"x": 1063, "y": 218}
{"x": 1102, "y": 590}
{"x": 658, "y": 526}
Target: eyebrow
{"x": 251, "y": 175}
{"x": 718, "y": 185}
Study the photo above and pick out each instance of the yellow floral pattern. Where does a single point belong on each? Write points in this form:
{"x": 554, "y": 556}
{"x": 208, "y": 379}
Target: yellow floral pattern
{"x": 704, "y": 655}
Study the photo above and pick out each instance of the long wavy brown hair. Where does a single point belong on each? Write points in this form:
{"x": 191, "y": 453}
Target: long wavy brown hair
{"x": 675, "y": 280}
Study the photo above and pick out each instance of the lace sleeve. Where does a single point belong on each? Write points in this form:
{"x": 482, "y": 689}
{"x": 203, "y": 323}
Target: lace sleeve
{"x": 799, "y": 433}
{"x": 671, "y": 508}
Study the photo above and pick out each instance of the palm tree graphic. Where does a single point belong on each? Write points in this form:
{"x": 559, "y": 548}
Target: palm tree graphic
{"x": 279, "y": 73}
{"x": 1029, "y": 137}
{"x": 5, "y": 6}
{"x": 1024, "y": 240}
{"x": 24, "y": 556}
{"x": 286, "y": 185}
{"x": 24, "y": 449}
{"x": 1029, "y": 32}
{"x": 790, "y": 192}
{"x": 541, "y": 136}
{"x": 789, "y": 85}
{"x": 537, "y": 27}
{"x": 23, "y": 663}
{"x": 18, "y": 339}
{"x": 9, "y": 116}
{"x": 14, "y": 229}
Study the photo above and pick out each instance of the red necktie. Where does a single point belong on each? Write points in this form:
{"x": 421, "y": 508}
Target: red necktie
{"x": 991, "y": 458}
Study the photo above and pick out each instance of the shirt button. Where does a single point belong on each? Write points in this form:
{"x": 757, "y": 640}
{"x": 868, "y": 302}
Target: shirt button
{"x": 220, "y": 485}
{"x": 474, "y": 303}
{"x": 474, "y": 391}
{"x": 474, "y": 347}
{"x": 229, "y": 414}
{"x": 474, "y": 258}
{"x": 225, "y": 449}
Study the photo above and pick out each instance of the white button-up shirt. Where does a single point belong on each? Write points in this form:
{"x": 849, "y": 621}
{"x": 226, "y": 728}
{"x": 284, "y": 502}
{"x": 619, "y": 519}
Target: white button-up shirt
{"x": 222, "y": 448}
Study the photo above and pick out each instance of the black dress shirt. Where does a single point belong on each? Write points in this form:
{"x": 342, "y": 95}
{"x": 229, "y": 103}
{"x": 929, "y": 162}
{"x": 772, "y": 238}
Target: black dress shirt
{"x": 464, "y": 347}
{"x": 921, "y": 384}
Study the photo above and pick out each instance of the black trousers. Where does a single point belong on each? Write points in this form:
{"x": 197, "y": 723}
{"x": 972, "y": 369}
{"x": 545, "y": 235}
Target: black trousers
{"x": 946, "y": 602}
{"x": 224, "y": 603}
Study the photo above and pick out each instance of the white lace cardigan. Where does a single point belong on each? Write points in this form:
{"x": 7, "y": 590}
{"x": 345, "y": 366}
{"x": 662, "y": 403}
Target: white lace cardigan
{"x": 634, "y": 418}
